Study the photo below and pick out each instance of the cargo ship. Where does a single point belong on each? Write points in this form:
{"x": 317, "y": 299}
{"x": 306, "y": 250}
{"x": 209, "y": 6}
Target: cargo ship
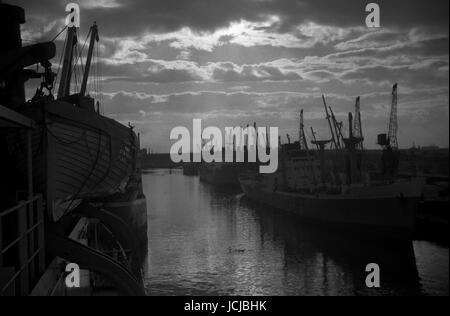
{"x": 331, "y": 185}
{"x": 388, "y": 210}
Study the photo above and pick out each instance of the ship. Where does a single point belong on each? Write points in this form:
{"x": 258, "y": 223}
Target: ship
{"x": 220, "y": 174}
{"x": 70, "y": 190}
{"x": 387, "y": 210}
{"x": 226, "y": 174}
{"x": 331, "y": 186}
{"x": 78, "y": 153}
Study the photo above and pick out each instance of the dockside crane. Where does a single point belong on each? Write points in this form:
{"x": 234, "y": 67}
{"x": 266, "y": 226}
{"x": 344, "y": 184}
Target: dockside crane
{"x": 314, "y": 139}
{"x": 304, "y": 146}
{"x": 390, "y": 140}
{"x": 302, "y": 137}
{"x": 393, "y": 123}
{"x": 328, "y": 117}
{"x": 357, "y": 128}
{"x": 391, "y": 155}
{"x": 338, "y": 126}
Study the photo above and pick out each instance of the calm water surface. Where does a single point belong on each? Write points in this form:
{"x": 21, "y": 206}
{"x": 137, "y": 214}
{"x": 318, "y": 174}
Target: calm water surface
{"x": 203, "y": 241}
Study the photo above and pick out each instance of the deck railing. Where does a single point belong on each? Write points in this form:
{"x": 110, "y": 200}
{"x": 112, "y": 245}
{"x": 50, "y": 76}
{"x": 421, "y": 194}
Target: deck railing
{"x": 22, "y": 253}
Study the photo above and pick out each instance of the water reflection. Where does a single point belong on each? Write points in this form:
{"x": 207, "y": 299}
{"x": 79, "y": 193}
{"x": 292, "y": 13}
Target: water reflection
{"x": 326, "y": 262}
{"x": 208, "y": 242}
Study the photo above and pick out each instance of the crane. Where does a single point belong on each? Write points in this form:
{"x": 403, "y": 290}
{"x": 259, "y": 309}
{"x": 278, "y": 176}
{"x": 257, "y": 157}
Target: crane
{"x": 304, "y": 147}
{"x": 338, "y": 128}
{"x": 390, "y": 140}
{"x": 314, "y": 137}
{"x": 328, "y": 117}
{"x": 393, "y": 124}
{"x": 391, "y": 155}
{"x": 357, "y": 128}
{"x": 302, "y": 137}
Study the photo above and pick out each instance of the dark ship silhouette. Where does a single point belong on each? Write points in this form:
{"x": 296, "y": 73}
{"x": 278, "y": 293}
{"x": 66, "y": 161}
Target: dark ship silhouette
{"x": 67, "y": 172}
{"x": 331, "y": 185}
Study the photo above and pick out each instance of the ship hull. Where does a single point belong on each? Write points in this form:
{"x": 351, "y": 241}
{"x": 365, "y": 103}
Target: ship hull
{"x": 133, "y": 212}
{"x": 220, "y": 175}
{"x": 190, "y": 169}
{"x": 390, "y": 216}
{"x": 77, "y": 154}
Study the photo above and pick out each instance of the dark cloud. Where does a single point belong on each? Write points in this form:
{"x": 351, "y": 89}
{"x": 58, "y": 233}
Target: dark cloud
{"x": 265, "y": 71}
{"x": 133, "y": 17}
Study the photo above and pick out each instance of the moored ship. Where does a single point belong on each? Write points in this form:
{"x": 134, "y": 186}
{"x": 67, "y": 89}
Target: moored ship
{"x": 77, "y": 152}
{"x": 62, "y": 161}
{"x": 220, "y": 174}
{"x": 387, "y": 209}
{"x": 332, "y": 186}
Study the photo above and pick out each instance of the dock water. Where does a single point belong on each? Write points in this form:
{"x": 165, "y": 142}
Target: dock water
{"x": 211, "y": 241}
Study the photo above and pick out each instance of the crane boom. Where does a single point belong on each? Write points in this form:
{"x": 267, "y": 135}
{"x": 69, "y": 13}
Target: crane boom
{"x": 304, "y": 146}
{"x": 302, "y": 136}
{"x": 328, "y": 117}
{"x": 389, "y": 140}
{"x": 357, "y": 128}
{"x": 338, "y": 128}
{"x": 393, "y": 123}
{"x": 314, "y": 138}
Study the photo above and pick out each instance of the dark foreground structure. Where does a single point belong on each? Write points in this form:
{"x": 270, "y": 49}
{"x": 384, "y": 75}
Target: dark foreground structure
{"x": 70, "y": 181}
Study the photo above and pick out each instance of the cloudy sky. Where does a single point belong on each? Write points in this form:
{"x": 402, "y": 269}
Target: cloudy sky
{"x": 233, "y": 62}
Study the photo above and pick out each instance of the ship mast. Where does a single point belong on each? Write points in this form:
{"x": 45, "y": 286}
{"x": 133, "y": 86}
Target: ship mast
{"x": 94, "y": 38}
{"x": 66, "y": 73}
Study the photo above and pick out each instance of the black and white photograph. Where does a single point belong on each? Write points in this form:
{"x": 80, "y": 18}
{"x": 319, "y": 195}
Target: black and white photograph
{"x": 227, "y": 155}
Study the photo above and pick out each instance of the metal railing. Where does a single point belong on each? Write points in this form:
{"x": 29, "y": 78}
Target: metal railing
{"x": 22, "y": 255}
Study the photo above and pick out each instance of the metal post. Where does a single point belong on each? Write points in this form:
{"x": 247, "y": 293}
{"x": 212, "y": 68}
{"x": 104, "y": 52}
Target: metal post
{"x": 256, "y": 141}
{"x": 30, "y": 164}
{"x": 30, "y": 206}
{"x": 1, "y": 242}
{"x": 23, "y": 249}
{"x": 40, "y": 235}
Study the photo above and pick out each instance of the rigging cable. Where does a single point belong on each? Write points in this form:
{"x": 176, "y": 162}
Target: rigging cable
{"x": 57, "y": 35}
{"x": 60, "y": 62}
